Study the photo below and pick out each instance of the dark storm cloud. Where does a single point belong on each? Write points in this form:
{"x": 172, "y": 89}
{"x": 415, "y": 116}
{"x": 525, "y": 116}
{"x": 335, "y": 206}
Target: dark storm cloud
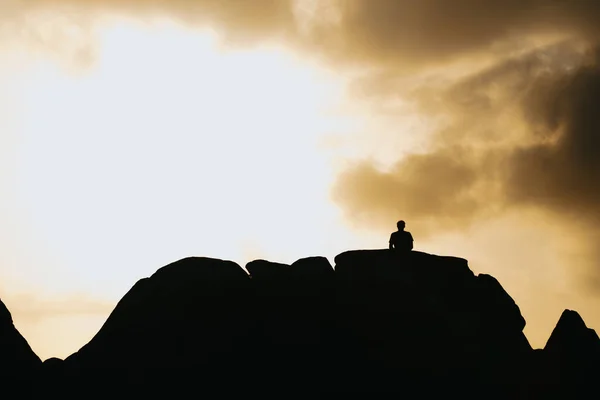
{"x": 520, "y": 132}
{"x": 565, "y": 173}
{"x": 434, "y": 190}
{"x": 525, "y": 132}
{"x": 408, "y": 34}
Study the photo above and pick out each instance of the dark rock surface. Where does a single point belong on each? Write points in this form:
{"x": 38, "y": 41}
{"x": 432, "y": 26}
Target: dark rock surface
{"x": 19, "y": 365}
{"x": 380, "y": 322}
{"x": 570, "y": 361}
{"x": 15, "y": 352}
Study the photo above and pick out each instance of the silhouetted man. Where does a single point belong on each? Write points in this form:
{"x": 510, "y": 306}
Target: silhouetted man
{"x": 401, "y": 240}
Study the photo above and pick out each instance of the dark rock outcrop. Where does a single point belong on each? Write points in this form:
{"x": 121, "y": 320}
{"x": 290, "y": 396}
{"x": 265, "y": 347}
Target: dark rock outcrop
{"x": 294, "y": 308}
{"x": 195, "y": 312}
{"x": 19, "y": 365}
{"x": 572, "y": 341}
{"x": 15, "y": 352}
{"x": 570, "y": 361}
{"x": 382, "y": 321}
{"x": 415, "y": 315}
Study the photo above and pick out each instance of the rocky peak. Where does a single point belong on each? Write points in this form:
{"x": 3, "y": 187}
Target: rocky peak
{"x": 378, "y": 321}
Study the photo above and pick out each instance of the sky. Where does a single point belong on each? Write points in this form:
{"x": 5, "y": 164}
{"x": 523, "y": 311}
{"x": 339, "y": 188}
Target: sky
{"x": 137, "y": 132}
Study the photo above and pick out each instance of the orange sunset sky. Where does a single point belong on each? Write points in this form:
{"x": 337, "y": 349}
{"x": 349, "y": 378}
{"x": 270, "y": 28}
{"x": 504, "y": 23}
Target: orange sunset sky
{"x": 137, "y": 132}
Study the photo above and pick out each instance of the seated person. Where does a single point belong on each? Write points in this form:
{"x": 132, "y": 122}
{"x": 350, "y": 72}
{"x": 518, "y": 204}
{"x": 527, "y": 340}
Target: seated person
{"x": 401, "y": 240}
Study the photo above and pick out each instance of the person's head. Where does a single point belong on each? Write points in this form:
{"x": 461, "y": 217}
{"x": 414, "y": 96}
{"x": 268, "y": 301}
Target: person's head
{"x": 400, "y": 225}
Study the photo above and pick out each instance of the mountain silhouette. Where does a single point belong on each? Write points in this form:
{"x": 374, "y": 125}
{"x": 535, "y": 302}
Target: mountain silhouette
{"x": 14, "y": 350}
{"x": 380, "y": 322}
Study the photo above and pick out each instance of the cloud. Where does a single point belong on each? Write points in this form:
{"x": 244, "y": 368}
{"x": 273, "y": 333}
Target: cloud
{"x": 403, "y": 34}
{"x": 391, "y": 35}
{"x": 406, "y": 34}
{"x": 67, "y": 29}
{"x": 523, "y": 131}
{"x": 563, "y": 173}
{"x": 239, "y": 20}
{"x": 438, "y": 189}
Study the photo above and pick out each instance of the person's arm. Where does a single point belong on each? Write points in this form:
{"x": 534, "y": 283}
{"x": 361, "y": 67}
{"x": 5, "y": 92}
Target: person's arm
{"x": 391, "y": 242}
{"x": 411, "y": 240}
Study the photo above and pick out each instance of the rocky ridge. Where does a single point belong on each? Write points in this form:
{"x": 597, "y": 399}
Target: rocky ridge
{"x": 380, "y": 321}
